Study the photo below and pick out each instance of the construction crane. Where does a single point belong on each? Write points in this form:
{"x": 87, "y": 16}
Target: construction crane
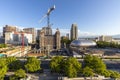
{"x": 48, "y": 16}
{"x": 22, "y": 48}
{"x": 22, "y": 41}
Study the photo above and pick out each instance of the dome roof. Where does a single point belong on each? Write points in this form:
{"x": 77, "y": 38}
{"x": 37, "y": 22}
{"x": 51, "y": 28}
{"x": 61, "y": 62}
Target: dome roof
{"x": 82, "y": 43}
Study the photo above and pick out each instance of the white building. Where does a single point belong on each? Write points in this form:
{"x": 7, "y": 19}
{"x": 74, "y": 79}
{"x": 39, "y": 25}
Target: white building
{"x": 109, "y": 39}
{"x": 117, "y": 41}
{"x": 16, "y": 38}
{"x": 105, "y": 38}
{"x": 8, "y": 37}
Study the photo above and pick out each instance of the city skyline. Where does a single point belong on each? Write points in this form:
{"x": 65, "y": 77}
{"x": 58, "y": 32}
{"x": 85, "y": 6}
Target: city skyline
{"x": 93, "y": 17}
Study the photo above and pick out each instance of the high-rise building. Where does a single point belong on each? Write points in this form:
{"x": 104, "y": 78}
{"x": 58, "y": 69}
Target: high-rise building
{"x": 74, "y": 32}
{"x": 67, "y": 35}
{"x": 31, "y": 31}
{"x": 57, "y": 40}
{"x": 9, "y": 28}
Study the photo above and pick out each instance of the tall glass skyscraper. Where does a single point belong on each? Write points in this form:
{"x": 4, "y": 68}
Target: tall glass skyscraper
{"x": 74, "y": 32}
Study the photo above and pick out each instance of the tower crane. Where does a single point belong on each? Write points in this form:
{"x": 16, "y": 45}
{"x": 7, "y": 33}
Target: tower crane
{"x": 48, "y": 16}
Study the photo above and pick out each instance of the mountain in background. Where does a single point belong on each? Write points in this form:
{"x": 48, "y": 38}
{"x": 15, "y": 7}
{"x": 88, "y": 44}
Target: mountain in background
{"x": 116, "y": 36}
{"x": 94, "y": 36}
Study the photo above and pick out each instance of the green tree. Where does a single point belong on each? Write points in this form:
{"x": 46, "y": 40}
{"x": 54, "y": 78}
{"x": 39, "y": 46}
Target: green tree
{"x": 10, "y": 59}
{"x": 114, "y": 74}
{"x": 103, "y": 44}
{"x": 88, "y": 60}
{"x": 87, "y": 72}
{"x": 106, "y": 73}
{"x": 56, "y": 64}
{"x": 66, "y": 41}
{"x": 95, "y": 63}
{"x": 20, "y": 73}
{"x": 32, "y": 64}
{"x": 71, "y": 67}
{"x": 15, "y": 65}
{"x": 3, "y": 68}
{"x": 70, "y": 71}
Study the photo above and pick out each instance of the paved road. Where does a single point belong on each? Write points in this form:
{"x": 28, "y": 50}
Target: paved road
{"x": 113, "y": 64}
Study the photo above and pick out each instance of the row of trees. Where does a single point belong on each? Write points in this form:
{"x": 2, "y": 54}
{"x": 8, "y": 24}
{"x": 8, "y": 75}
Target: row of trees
{"x": 19, "y": 67}
{"x": 103, "y": 44}
{"x": 91, "y": 66}
{"x": 70, "y": 67}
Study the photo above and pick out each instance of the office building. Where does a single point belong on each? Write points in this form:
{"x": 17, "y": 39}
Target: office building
{"x": 31, "y": 31}
{"x": 16, "y": 38}
{"x": 109, "y": 39}
{"x": 9, "y": 28}
{"x": 105, "y": 38}
{"x": 74, "y": 32}
{"x": 67, "y": 35}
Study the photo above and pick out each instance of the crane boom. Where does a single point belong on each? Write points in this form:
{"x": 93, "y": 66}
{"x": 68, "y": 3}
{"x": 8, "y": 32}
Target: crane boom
{"x": 47, "y": 15}
{"x": 50, "y": 9}
{"x": 42, "y": 18}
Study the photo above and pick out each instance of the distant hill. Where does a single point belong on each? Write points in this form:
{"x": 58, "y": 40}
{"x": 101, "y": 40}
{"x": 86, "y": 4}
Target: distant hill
{"x": 94, "y": 36}
{"x": 116, "y": 36}
{"x": 88, "y": 36}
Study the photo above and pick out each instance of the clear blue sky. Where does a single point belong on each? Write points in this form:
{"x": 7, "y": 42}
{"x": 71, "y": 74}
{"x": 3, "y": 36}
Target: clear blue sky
{"x": 91, "y": 16}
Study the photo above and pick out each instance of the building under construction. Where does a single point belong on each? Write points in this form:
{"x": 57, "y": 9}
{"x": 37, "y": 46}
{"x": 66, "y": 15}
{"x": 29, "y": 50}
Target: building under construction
{"x": 47, "y": 40}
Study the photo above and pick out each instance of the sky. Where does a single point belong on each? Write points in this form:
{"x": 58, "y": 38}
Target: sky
{"x": 93, "y": 17}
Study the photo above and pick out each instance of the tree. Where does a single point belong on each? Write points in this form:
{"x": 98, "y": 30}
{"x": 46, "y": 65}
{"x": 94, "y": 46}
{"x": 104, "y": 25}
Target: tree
{"x": 56, "y": 64}
{"x": 106, "y": 73}
{"x": 20, "y": 73}
{"x": 114, "y": 74}
{"x": 72, "y": 67}
{"x": 9, "y": 61}
{"x": 88, "y": 60}
{"x": 69, "y": 67}
{"x": 32, "y": 64}
{"x": 15, "y": 65}
{"x": 66, "y": 41}
{"x": 3, "y": 68}
{"x": 70, "y": 71}
{"x": 95, "y": 63}
{"x": 87, "y": 72}
{"x": 103, "y": 44}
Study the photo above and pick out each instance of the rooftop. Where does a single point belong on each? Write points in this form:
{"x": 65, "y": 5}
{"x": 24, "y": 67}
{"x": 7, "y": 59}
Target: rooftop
{"x": 83, "y": 43}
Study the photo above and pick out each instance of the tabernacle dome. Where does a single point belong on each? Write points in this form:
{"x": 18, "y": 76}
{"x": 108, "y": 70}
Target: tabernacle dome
{"x": 83, "y": 43}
